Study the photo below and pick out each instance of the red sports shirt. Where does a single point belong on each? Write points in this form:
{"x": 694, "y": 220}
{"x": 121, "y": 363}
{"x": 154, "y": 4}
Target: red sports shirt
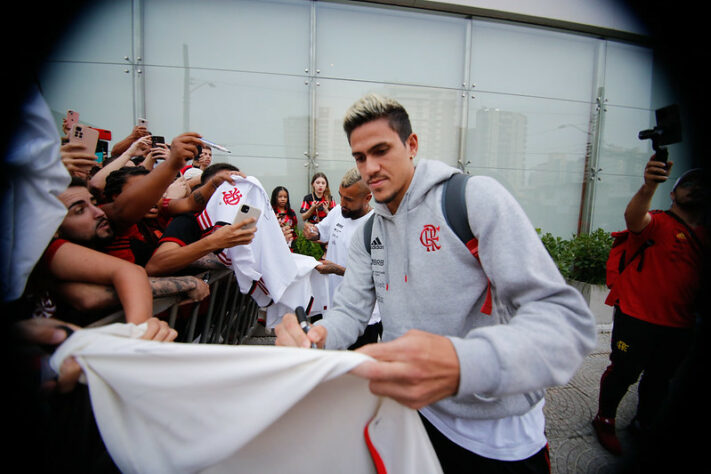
{"x": 663, "y": 292}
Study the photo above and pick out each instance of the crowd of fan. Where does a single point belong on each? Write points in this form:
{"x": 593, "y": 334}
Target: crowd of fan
{"x": 131, "y": 233}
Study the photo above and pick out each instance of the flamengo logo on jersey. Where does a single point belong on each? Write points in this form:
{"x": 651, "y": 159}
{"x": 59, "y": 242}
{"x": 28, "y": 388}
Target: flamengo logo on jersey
{"x": 232, "y": 197}
{"x": 429, "y": 237}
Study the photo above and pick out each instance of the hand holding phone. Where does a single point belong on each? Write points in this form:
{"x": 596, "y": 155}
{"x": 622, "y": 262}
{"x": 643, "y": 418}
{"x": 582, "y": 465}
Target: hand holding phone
{"x": 245, "y": 212}
{"x": 84, "y": 135}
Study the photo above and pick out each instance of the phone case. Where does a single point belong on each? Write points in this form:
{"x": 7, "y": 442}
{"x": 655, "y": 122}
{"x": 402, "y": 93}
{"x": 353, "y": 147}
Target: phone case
{"x": 72, "y": 118}
{"x": 245, "y": 212}
{"x": 88, "y": 136}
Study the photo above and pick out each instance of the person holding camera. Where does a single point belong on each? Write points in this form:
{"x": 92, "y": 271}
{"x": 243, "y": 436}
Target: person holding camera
{"x": 654, "y": 298}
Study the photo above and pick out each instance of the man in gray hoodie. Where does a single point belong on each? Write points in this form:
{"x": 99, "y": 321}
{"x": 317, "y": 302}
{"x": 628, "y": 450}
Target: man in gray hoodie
{"x": 476, "y": 374}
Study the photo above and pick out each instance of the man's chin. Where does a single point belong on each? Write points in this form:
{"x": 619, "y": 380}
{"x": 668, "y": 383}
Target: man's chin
{"x": 103, "y": 240}
{"x": 385, "y": 199}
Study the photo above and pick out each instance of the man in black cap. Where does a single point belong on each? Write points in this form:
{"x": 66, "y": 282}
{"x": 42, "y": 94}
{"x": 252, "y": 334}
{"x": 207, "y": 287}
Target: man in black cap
{"x": 654, "y": 298}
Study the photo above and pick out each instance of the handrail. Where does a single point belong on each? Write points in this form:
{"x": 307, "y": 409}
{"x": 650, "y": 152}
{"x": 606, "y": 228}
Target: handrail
{"x": 221, "y": 323}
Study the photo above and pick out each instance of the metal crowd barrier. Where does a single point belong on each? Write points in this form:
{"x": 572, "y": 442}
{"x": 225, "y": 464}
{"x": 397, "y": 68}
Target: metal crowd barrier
{"x": 225, "y": 317}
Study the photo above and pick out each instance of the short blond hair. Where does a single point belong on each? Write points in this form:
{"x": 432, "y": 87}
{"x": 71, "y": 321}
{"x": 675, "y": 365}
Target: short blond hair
{"x": 372, "y": 107}
{"x": 351, "y": 177}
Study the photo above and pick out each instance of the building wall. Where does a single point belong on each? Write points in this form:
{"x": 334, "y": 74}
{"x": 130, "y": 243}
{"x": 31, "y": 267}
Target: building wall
{"x": 271, "y": 80}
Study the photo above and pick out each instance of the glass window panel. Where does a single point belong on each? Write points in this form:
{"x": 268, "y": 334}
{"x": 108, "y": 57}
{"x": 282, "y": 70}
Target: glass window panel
{"x": 530, "y": 61}
{"x": 434, "y": 113}
{"x": 550, "y": 198}
{"x": 537, "y": 147}
{"x": 388, "y": 45}
{"x": 101, "y": 32}
{"x": 253, "y": 115}
{"x": 628, "y": 75}
{"x": 101, "y": 93}
{"x": 273, "y": 172}
{"x": 623, "y": 157}
{"x": 266, "y": 36}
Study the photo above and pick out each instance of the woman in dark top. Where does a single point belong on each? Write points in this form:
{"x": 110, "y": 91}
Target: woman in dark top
{"x": 316, "y": 205}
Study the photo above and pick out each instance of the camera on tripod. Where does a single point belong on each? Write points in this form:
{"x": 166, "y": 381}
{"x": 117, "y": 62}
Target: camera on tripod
{"x": 667, "y": 131}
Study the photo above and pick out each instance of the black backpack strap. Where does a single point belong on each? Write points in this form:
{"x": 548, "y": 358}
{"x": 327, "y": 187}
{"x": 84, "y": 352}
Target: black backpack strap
{"x": 368, "y": 231}
{"x": 640, "y": 252}
{"x": 454, "y": 206}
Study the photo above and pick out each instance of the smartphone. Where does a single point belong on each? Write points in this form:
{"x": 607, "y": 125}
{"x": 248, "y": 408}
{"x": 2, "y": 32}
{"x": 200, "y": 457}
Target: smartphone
{"x": 72, "y": 118}
{"x": 87, "y": 136}
{"x": 102, "y": 150}
{"x": 245, "y": 212}
{"x": 142, "y": 122}
{"x": 156, "y": 139}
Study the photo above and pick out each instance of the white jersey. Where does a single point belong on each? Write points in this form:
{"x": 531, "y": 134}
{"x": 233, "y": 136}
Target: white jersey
{"x": 338, "y": 231}
{"x": 265, "y": 268}
{"x": 240, "y": 408}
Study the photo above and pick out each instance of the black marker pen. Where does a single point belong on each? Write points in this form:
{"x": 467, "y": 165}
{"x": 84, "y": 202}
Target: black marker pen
{"x": 303, "y": 322}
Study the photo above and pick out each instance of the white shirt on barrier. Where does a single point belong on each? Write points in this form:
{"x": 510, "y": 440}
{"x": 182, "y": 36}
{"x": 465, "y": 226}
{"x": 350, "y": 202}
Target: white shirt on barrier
{"x": 179, "y": 408}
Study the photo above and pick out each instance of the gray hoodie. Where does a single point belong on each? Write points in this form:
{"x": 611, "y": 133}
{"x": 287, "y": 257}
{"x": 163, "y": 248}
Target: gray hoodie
{"x": 424, "y": 277}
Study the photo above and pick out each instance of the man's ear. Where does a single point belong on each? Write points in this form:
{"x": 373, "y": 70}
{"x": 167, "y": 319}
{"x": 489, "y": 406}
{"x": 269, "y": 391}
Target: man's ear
{"x": 412, "y": 145}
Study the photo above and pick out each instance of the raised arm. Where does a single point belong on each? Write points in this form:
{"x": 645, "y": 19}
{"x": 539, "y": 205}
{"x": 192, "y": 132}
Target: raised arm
{"x": 76, "y": 263}
{"x": 137, "y": 132}
{"x": 637, "y": 212}
{"x": 134, "y": 202}
{"x": 98, "y": 181}
{"x": 160, "y": 152}
{"x": 197, "y": 200}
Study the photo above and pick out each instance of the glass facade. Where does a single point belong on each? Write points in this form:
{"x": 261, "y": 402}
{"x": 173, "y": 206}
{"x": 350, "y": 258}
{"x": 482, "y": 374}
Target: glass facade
{"x": 552, "y": 115}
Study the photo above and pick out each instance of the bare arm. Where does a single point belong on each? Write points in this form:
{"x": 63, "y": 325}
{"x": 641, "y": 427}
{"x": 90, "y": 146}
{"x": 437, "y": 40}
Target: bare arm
{"x": 637, "y": 212}
{"x": 194, "y": 182}
{"x": 160, "y": 152}
{"x": 170, "y": 257}
{"x": 133, "y": 203}
{"x": 326, "y": 267}
{"x": 98, "y": 181}
{"x": 137, "y": 132}
{"x": 80, "y": 264}
{"x": 208, "y": 262}
{"x": 97, "y": 297}
{"x": 197, "y": 200}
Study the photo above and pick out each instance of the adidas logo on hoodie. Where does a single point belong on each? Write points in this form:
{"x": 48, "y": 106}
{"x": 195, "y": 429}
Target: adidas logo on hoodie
{"x": 376, "y": 244}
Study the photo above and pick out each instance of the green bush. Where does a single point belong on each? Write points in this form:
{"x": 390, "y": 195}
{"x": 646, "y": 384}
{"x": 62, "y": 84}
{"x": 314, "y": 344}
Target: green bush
{"x": 582, "y": 257}
{"x": 307, "y": 247}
